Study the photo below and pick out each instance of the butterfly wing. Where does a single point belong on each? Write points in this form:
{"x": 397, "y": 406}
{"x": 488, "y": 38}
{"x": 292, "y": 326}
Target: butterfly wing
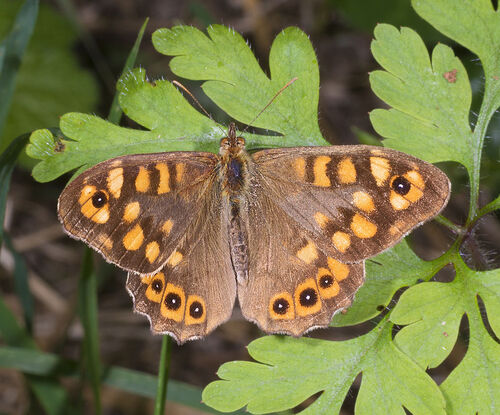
{"x": 293, "y": 285}
{"x": 135, "y": 209}
{"x": 195, "y": 291}
{"x": 314, "y": 215}
{"x": 355, "y": 201}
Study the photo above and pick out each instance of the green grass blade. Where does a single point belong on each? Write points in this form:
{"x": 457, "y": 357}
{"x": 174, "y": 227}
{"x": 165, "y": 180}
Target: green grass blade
{"x": 87, "y": 307}
{"x": 161, "y": 394}
{"x": 13, "y": 47}
{"x": 10, "y": 331}
{"x": 21, "y": 284}
{"x": 7, "y": 162}
{"x": 115, "y": 113}
{"x": 35, "y": 362}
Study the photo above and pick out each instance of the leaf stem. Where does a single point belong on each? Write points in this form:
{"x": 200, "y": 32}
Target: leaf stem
{"x": 487, "y": 110}
{"x": 449, "y": 224}
{"x": 161, "y": 392}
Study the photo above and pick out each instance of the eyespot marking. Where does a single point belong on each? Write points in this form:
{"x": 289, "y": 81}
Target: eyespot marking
{"x": 173, "y": 302}
{"x": 131, "y": 212}
{"x": 321, "y": 219}
{"x": 341, "y": 241}
{"x": 308, "y": 253}
{"x": 299, "y": 165}
{"x": 380, "y": 169}
{"x": 339, "y": 270}
{"x": 94, "y": 204}
{"x": 195, "y": 310}
{"x": 346, "y": 171}
{"x": 328, "y": 287}
{"x": 167, "y": 226}
{"x": 307, "y": 300}
{"x": 163, "y": 184}
{"x": 362, "y": 227}
{"x": 156, "y": 282}
{"x": 320, "y": 177}
{"x": 174, "y": 259}
{"x": 142, "y": 180}
{"x": 132, "y": 241}
{"x": 363, "y": 201}
{"x": 115, "y": 182}
{"x": 281, "y": 307}
{"x": 152, "y": 251}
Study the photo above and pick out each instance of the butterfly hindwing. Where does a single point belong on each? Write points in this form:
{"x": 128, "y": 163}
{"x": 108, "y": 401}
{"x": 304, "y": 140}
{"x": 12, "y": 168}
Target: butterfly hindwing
{"x": 293, "y": 285}
{"x": 195, "y": 291}
{"x": 354, "y": 201}
{"x": 134, "y": 209}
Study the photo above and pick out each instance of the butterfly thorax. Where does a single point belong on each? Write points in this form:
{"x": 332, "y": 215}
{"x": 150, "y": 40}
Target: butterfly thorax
{"x": 234, "y": 162}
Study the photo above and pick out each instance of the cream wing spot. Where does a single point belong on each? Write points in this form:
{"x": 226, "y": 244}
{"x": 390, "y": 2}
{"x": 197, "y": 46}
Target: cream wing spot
{"x": 362, "y": 227}
{"x": 341, "y": 241}
{"x": 115, "y": 182}
{"x": 133, "y": 240}
{"x": 321, "y": 219}
{"x": 346, "y": 171}
{"x": 299, "y": 166}
{"x": 363, "y": 201}
{"x": 131, "y": 212}
{"x": 339, "y": 270}
{"x": 163, "y": 184}
{"x": 142, "y": 180}
{"x": 174, "y": 259}
{"x": 398, "y": 202}
{"x": 380, "y": 169}
{"x": 320, "y": 177}
{"x": 167, "y": 226}
{"x": 152, "y": 251}
{"x": 308, "y": 253}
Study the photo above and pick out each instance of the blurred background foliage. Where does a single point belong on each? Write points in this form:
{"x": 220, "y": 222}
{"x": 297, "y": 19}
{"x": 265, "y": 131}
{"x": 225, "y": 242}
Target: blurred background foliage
{"x": 72, "y": 62}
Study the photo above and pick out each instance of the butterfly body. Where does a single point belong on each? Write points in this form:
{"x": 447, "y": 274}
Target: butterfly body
{"x": 286, "y": 230}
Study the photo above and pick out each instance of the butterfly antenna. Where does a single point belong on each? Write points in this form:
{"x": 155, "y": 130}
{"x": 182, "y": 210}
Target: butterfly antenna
{"x": 290, "y": 82}
{"x": 198, "y": 103}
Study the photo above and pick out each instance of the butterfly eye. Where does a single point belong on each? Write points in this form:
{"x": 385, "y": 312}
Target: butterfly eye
{"x": 99, "y": 199}
{"x": 401, "y": 185}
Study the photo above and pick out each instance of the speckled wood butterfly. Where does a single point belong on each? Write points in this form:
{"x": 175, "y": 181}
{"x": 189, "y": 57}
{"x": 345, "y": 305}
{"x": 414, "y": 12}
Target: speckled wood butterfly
{"x": 287, "y": 230}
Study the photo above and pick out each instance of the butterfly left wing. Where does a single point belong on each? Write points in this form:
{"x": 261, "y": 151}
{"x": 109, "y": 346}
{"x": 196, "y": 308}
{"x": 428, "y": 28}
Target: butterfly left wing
{"x": 134, "y": 209}
{"x": 195, "y": 291}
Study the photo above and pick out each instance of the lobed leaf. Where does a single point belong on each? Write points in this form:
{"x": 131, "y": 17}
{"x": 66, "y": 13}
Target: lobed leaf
{"x": 291, "y": 370}
{"x": 430, "y": 100}
{"x": 385, "y": 274}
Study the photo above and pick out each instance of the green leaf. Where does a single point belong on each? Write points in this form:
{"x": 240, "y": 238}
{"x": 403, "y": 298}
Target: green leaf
{"x": 238, "y": 85}
{"x": 385, "y": 274}
{"x": 292, "y": 370}
{"x": 173, "y": 124}
{"x": 50, "y": 80}
{"x": 11, "y": 55}
{"x": 433, "y": 311}
{"x": 430, "y": 113}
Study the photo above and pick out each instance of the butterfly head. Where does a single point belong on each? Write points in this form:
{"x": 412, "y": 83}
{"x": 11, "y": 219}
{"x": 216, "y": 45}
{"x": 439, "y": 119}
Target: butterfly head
{"x": 232, "y": 145}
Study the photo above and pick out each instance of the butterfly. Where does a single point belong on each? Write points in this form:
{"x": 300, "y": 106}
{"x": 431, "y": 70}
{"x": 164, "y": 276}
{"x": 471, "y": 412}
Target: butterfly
{"x": 285, "y": 230}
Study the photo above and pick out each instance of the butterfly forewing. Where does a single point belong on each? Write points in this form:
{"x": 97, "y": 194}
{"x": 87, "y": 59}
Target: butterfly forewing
{"x": 135, "y": 209}
{"x": 354, "y": 201}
